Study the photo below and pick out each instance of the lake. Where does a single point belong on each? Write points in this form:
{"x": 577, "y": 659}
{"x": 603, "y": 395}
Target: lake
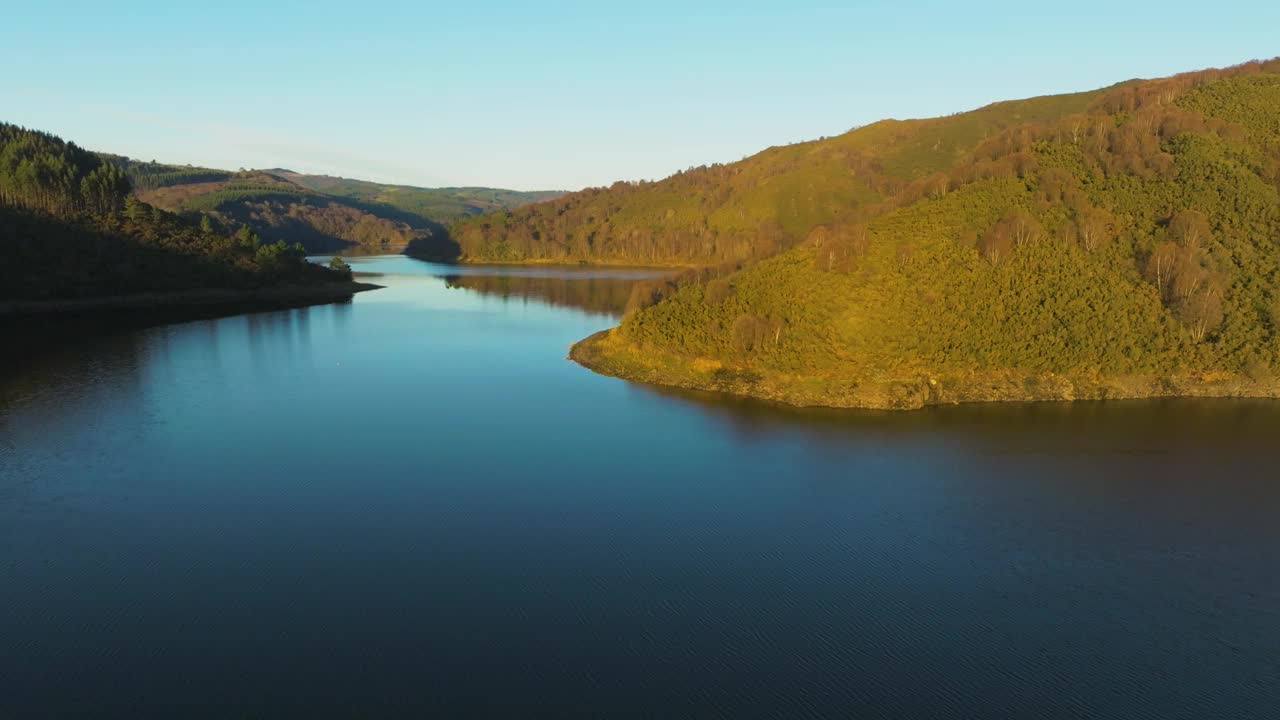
{"x": 412, "y": 505}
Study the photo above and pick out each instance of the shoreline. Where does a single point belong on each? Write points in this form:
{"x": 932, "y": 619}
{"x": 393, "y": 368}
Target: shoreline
{"x": 283, "y": 296}
{"x": 605, "y": 354}
{"x": 560, "y": 263}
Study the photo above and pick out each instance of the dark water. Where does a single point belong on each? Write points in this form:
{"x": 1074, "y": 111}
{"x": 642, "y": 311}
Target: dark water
{"x": 413, "y": 506}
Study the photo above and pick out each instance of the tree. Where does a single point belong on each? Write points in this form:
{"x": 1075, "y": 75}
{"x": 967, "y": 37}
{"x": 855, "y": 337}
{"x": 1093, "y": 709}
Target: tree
{"x": 644, "y": 293}
{"x": 103, "y": 189}
{"x": 1190, "y": 228}
{"x": 1023, "y": 227}
{"x": 337, "y": 264}
{"x": 995, "y": 244}
{"x": 136, "y": 210}
{"x": 1017, "y": 228}
{"x": 836, "y": 250}
{"x": 1189, "y": 275}
{"x": 752, "y": 333}
{"x": 937, "y": 185}
{"x": 1160, "y": 265}
{"x": 717, "y": 291}
{"x": 1201, "y": 311}
{"x": 1094, "y": 227}
{"x": 770, "y": 238}
{"x": 247, "y": 237}
{"x": 1056, "y": 185}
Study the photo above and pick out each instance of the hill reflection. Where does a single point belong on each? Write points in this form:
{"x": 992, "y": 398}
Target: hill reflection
{"x": 594, "y": 294}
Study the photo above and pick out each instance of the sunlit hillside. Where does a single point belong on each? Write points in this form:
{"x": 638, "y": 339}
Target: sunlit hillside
{"x": 1118, "y": 243}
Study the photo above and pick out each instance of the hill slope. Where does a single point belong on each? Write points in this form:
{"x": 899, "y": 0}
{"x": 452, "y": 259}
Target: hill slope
{"x": 324, "y": 214}
{"x": 441, "y": 205}
{"x": 753, "y": 208}
{"x": 71, "y": 228}
{"x": 1122, "y": 243}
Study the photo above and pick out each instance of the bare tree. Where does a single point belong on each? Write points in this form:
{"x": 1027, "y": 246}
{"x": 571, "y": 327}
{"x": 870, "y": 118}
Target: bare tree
{"x": 1023, "y": 227}
{"x": 995, "y": 244}
{"x": 1094, "y": 227}
{"x": 1201, "y": 312}
{"x": 1160, "y": 266}
{"x": 1190, "y": 228}
{"x": 1017, "y": 228}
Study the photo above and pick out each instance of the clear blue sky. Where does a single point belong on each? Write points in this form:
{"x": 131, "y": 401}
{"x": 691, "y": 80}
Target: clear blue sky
{"x": 547, "y": 94}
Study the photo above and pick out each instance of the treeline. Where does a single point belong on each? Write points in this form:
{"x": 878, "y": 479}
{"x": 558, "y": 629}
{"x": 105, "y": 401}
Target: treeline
{"x": 152, "y": 175}
{"x": 645, "y": 223}
{"x": 319, "y": 224}
{"x": 55, "y": 258}
{"x": 73, "y": 228}
{"x": 278, "y": 209}
{"x": 245, "y": 191}
{"x": 40, "y": 172}
{"x": 326, "y": 214}
{"x": 429, "y": 205}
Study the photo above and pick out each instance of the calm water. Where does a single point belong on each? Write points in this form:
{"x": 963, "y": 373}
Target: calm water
{"x": 413, "y": 506}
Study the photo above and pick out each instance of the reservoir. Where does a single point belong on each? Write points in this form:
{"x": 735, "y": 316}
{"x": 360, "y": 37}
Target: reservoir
{"x": 412, "y": 505}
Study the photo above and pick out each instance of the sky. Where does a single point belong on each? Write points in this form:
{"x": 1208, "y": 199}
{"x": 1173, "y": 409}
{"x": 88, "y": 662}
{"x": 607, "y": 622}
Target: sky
{"x": 561, "y": 95}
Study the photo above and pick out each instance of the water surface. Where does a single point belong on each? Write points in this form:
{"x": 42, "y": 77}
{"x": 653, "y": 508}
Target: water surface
{"x": 413, "y": 505}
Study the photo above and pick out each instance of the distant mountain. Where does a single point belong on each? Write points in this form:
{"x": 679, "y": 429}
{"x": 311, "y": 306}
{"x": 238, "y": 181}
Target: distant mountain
{"x": 1117, "y": 243}
{"x": 441, "y": 205}
{"x": 325, "y": 214}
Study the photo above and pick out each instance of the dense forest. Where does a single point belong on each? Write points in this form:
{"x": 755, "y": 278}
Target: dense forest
{"x": 71, "y": 227}
{"x": 728, "y": 213}
{"x": 1124, "y": 242}
{"x": 146, "y": 176}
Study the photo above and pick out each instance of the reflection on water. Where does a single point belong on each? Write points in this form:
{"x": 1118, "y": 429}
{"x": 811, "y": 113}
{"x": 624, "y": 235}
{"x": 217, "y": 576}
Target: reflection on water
{"x": 602, "y": 290}
{"x": 412, "y": 505}
{"x": 605, "y": 295}
{"x": 1126, "y": 427}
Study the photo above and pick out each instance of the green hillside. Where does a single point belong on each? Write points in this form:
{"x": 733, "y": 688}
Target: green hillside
{"x": 752, "y": 208}
{"x": 71, "y": 227}
{"x": 325, "y": 214}
{"x": 441, "y": 205}
{"x": 278, "y": 209}
{"x": 1121, "y": 243}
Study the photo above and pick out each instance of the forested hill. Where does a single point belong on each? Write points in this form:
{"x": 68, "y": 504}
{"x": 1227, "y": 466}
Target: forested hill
{"x": 443, "y": 205}
{"x": 325, "y": 214}
{"x": 71, "y": 227}
{"x": 753, "y": 208}
{"x": 1120, "y": 243}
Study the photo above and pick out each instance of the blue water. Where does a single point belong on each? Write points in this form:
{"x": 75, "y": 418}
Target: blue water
{"x": 413, "y": 506}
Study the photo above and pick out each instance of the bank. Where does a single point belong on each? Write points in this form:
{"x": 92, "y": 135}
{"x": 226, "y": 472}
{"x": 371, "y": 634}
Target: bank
{"x": 608, "y": 354}
{"x": 197, "y": 299}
